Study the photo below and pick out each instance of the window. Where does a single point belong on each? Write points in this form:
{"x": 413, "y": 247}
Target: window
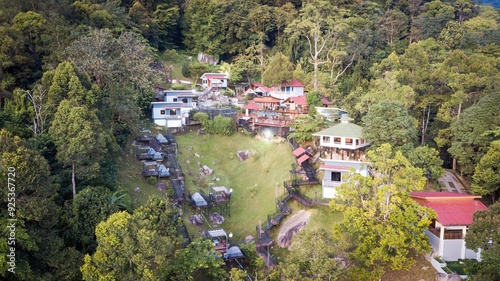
{"x": 357, "y": 141}
{"x": 348, "y": 141}
{"x": 326, "y": 139}
{"x": 162, "y": 112}
{"x": 336, "y": 140}
{"x": 336, "y": 176}
{"x": 175, "y": 99}
{"x": 173, "y": 112}
{"x": 184, "y": 100}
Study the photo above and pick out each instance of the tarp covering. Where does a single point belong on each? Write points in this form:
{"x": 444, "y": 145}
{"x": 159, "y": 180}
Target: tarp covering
{"x": 161, "y": 139}
{"x": 157, "y": 156}
{"x": 163, "y": 171}
{"x": 151, "y": 151}
{"x": 198, "y": 200}
{"x": 234, "y": 253}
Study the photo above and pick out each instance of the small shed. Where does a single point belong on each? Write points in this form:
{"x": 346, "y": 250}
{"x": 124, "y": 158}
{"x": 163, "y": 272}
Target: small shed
{"x": 163, "y": 171}
{"x": 233, "y": 253}
{"x": 161, "y": 139}
{"x": 198, "y": 200}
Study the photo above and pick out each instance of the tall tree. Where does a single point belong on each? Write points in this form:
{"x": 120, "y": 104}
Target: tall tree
{"x": 487, "y": 172}
{"x": 324, "y": 26}
{"x": 470, "y": 136}
{"x": 381, "y": 224}
{"x": 313, "y": 256}
{"x": 389, "y": 122}
{"x": 79, "y": 138}
{"x": 484, "y": 233}
{"x": 279, "y": 70}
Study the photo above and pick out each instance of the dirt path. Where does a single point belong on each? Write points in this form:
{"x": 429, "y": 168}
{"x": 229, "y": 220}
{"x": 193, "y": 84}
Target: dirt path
{"x": 451, "y": 183}
{"x": 291, "y": 227}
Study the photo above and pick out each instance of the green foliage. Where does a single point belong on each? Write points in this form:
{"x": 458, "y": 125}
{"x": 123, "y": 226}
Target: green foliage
{"x": 305, "y": 126}
{"x": 469, "y": 133}
{"x": 73, "y": 126}
{"x": 179, "y": 86}
{"x": 487, "y": 172}
{"x": 89, "y": 207}
{"x": 219, "y": 126}
{"x": 312, "y": 257}
{"x": 381, "y": 224}
{"x": 484, "y": 233}
{"x": 389, "y": 122}
{"x": 279, "y": 70}
{"x": 427, "y": 159}
{"x": 152, "y": 180}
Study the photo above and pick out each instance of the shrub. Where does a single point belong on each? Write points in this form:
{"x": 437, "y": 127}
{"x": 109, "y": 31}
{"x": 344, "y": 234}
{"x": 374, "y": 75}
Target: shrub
{"x": 152, "y": 180}
{"x": 179, "y": 86}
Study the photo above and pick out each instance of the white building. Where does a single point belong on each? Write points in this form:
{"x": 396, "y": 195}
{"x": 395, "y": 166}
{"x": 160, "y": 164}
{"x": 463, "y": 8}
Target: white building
{"x": 454, "y": 216}
{"x": 342, "y": 148}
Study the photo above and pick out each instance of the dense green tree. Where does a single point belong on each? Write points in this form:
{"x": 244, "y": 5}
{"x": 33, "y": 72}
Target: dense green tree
{"x": 120, "y": 68}
{"x": 313, "y": 256}
{"x": 389, "y": 122}
{"x": 484, "y": 233}
{"x": 89, "y": 207}
{"x": 304, "y": 126}
{"x": 80, "y": 140}
{"x": 487, "y": 172}
{"x": 427, "y": 159}
{"x": 324, "y": 26}
{"x": 279, "y": 71}
{"x": 470, "y": 133}
{"x": 381, "y": 224}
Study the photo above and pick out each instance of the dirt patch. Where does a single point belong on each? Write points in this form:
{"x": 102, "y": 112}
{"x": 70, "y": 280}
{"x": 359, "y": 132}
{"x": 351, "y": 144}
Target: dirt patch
{"x": 291, "y": 227}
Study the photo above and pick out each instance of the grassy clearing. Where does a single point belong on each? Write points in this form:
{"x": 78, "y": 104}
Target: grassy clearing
{"x": 264, "y": 172}
{"x": 130, "y": 177}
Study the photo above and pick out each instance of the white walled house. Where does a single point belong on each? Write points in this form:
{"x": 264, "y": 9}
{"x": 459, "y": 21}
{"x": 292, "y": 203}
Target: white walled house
{"x": 214, "y": 80}
{"x": 454, "y": 216}
{"x": 173, "y": 111}
{"x": 342, "y": 148}
{"x": 294, "y": 88}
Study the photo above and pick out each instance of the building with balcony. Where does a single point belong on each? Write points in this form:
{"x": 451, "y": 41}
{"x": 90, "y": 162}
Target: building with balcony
{"x": 454, "y": 216}
{"x": 214, "y": 80}
{"x": 173, "y": 110}
{"x": 342, "y": 149}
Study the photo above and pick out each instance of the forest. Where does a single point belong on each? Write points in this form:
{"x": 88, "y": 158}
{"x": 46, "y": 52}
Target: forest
{"x": 76, "y": 82}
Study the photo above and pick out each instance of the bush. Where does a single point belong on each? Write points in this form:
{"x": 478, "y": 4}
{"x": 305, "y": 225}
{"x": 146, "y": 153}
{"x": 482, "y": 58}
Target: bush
{"x": 171, "y": 55}
{"x": 152, "y": 180}
{"x": 179, "y": 86}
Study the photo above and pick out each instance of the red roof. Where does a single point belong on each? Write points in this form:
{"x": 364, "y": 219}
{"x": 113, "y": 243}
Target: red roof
{"x": 215, "y": 76}
{"x": 451, "y": 208}
{"x": 299, "y": 151}
{"x": 303, "y": 158}
{"x": 267, "y": 99}
{"x": 260, "y": 85}
{"x": 300, "y": 100}
{"x": 293, "y": 83}
{"x": 252, "y": 105}
{"x": 334, "y": 168}
{"x": 325, "y": 101}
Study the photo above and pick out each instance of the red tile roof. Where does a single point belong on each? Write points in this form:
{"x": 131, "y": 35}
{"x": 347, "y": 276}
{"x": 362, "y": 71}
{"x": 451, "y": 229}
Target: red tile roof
{"x": 252, "y": 105}
{"x": 300, "y": 100}
{"x": 293, "y": 83}
{"x": 303, "y": 158}
{"x": 297, "y": 152}
{"x": 325, "y": 101}
{"x": 260, "y": 85}
{"x": 451, "y": 208}
{"x": 334, "y": 168}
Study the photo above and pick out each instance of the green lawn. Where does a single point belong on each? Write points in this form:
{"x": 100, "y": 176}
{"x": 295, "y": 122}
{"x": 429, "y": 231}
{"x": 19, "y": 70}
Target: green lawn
{"x": 266, "y": 170}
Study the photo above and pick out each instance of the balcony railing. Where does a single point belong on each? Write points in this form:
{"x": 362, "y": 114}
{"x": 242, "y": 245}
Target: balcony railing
{"x": 448, "y": 234}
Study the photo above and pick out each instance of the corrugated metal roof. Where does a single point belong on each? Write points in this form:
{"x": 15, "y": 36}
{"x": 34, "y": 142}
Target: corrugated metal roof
{"x": 452, "y": 209}
{"x": 347, "y": 130}
{"x": 297, "y": 152}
